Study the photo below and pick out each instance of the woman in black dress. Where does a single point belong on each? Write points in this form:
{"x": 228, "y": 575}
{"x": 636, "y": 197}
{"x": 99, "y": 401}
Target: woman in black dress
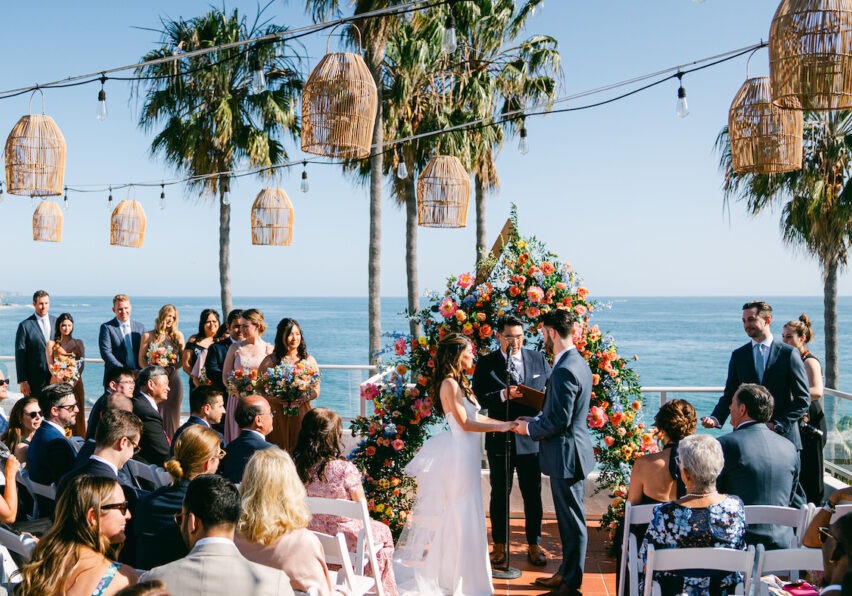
{"x": 208, "y": 327}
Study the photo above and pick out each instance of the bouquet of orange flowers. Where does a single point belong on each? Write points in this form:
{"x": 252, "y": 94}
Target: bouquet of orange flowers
{"x": 243, "y": 383}
{"x": 65, "y": 368}
{"x": 293, "y": 384}
{"x": 159, "y": 355}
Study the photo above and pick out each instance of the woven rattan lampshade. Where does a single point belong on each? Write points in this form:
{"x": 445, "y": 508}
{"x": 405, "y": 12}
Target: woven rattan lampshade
{"x": 272, "y": 218}
{"x": 47, "y": 222}
{"x": 443, "y": 193}
{"x": 810, "y": 54}
{"x": 765, "y": 139}
{"x": 127, "y": 225}
{"x": 35, "y": 157}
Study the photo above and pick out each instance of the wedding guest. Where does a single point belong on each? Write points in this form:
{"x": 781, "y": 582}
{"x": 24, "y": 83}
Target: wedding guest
{"x": 158, "y": 540}
{"x": 822, "y": 516}
{"x": 835, "y": 540}
{"x": 64, "y": 348}
{"x": 119, "y": 339}
{"x": 51, "y": 454}
{"x": 254, "y": 418}
{"x": 120, "y": 381}
{"x": 24, "y": 420}
{"x": 812, "y": 427}
{"x": 289, "y": 349}
{"x": 208, "y": 327}
{"x": 30, "y": 341}
{"x": 246, "y": 356}
{"x": 165, "y": 336}
{"x": 761, "y": 468}
{"x": 4, "y": 393}
{"x": 76, "y": 557}
{"x": 216, "y": 353}
{"x": 152, "y": 389}
{"x": 703, "y": 517}
{"x": 273, "y": 521}
{"x": 326, "y": 473}
{"x": 207, "y": 407}
{"x": 9, "y": 500}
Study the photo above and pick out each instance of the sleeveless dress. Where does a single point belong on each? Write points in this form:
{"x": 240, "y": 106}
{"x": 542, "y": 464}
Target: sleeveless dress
{"x": 232, "y": 429}
{"x": 444, "y": 546}
{"x": 811, "y": 455}
{"x": 106, "y": 580}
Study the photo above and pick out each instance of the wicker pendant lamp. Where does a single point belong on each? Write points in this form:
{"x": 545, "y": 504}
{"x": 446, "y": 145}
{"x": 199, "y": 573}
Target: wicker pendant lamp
{"x": 272, "y": 218}
{"x": 35, "y": 156}
{"x": 443, "y": 193}
{"x": 127, "y": 225}
{"x": 339, "y": 103}
{"x": 47, "y": 222}
{"x": 810, "y": 55}
{"x": 765, "y": 139}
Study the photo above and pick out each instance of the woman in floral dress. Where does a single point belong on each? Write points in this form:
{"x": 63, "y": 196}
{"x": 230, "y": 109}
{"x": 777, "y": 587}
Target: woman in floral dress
{"x": 64, "y": 348}
{"x": 163, "y": 346}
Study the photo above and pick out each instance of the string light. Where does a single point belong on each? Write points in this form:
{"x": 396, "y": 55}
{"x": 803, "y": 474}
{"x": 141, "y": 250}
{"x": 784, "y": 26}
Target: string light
{"x": 304, "y": 186}
{"x": 162, "y": 196}
{"x": 65, "y": 200}
{"x": 109, "y": 200}
{"x": 448, "y": 41}
{"x": 258, "y": 81}
{"x": 226, "y": 197}
{"x": 401, "y": 169}
{"x": 101, "y": 111}
{"x": 523, "y": 141}
{"x": 682, "y": 109}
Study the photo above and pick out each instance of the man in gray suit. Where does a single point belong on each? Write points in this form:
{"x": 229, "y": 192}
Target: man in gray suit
{"x": 565, "y": 448}
{"x": 761, "y": 467}
{"x": 214, "y": 566}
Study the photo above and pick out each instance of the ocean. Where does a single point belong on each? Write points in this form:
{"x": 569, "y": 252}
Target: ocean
{"x": 678, "y": 341}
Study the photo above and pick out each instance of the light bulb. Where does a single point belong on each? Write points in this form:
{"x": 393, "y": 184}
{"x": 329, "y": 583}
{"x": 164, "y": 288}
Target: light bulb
{"x": 162, "y": 197}
{"x": 101, "y": 112}
{"x": 1, "y": 188}
{"x": 448, "y": 41}
{"x": 66, "y": 201}
{"x": 109, "y": 200}
{"x": 226, "y": 197}
{"x": 304, "y": 186}
{"x": 682, "y": 106}
{"x": 401, "y": 171}
{"x": 258, "y": 81}
{"x": 523, "y": 142}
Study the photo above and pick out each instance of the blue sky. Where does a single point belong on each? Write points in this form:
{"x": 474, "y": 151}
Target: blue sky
{"x": 628, "y": 193}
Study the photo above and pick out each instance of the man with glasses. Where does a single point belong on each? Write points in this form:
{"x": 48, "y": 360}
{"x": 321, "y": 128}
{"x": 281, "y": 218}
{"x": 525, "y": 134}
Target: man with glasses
{"x": 51, "y": 454}
{"x": 152, "y": 388}
{"x": 835, "y": 540}
{"x": 254, "y": 417}
{"x": 120, "y": 382}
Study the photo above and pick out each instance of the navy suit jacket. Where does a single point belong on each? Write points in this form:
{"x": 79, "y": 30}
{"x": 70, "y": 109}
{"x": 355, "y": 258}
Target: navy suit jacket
{"x": 565, "y": 449}
{"x": 95, "y": 415}
{"x": 785, "y": 378}
{"x": 158, "y": 539}
{"x": 111, "y": 346}
{"x": 50, "y": 455}
{"x": 154, "y": 445}
{"x": 30, "y": 356}
{"x": 215, "y": 361}
{"x": 239, "y": 451}
{"x": 193, "y": 419}
{"x": 761, "y": 468}
{"x": 489, "y": 380}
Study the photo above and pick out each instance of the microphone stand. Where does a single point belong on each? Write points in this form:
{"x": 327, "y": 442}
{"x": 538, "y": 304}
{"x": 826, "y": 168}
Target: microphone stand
{"x": 505, "y": 571}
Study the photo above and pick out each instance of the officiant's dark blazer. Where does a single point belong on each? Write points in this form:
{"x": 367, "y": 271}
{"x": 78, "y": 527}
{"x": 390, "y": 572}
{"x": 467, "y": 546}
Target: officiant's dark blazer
{"x": 154, "y": 444}
{"x": 30, "y": 356}
{"x": 489, "y": 380}
{"x": 111, "y": 346}
{"x": 785, "y": 378}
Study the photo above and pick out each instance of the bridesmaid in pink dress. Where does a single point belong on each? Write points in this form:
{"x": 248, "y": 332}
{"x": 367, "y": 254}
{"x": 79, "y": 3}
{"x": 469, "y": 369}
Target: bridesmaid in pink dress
{"x": 165, "y": 334}
{"x": 246, "y": 356}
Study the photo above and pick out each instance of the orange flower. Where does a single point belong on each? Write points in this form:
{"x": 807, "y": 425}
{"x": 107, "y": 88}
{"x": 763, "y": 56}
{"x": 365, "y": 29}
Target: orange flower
{"x": 481, "y": 316}
{"x": 370, "y": 451}
{"x": 609, "y": 441}
{"x": 580, "y": 310}
{"x": 533, "y": 312}
{"x": 514, "y": 291}
{"x": 560, "y": 285}
{"x": 485, "y": 331}
{"x": 461, "y": 316}
{"x": 547, "y": 267}
{"x": 636, "y": 405}
{"x": 582, "y": 293}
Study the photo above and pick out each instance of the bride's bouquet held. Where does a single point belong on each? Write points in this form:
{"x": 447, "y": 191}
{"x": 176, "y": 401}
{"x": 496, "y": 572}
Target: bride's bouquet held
{"x": 294, "y": 384}
{"x": 243, "y": 383}
{"x": 161, "y": 355}
{"x": 65, "y": 368}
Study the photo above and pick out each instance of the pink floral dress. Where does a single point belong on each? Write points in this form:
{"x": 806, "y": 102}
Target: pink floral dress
{"x": 341, "y": 477}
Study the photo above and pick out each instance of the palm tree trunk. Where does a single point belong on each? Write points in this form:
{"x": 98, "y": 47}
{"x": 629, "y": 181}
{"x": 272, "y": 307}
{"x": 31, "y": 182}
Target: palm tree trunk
{"x": 225, "y": 248}
{"x": 831, "y": 354}
{"x": 374, "y": 264}
{"x": 411, "y": 252}
{"x": 480, "y": 217}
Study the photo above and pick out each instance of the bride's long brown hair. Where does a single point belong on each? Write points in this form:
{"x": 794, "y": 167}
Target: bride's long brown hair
{"x": 448, "y": 366}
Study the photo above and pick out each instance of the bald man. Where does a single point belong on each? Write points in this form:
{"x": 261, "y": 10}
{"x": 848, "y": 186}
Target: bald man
{"x": 254, "y": 417}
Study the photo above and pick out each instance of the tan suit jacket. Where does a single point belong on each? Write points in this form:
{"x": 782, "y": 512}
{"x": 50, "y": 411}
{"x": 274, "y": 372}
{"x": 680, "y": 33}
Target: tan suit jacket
{"x": 220, "y": 569}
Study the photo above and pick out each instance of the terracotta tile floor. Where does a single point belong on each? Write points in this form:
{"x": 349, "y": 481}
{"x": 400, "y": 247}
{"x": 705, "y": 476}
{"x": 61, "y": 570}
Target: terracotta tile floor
{"x": 600, "y": 570}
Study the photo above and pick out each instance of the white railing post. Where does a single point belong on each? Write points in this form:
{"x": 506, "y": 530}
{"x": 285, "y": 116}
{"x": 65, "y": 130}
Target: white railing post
{"x": 664, "y": 397}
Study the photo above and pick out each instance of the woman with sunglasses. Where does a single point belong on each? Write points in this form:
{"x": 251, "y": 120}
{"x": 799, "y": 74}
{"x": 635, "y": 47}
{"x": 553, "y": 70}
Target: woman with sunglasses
{"x": 158, "y": 538}
{"x": 24, "y": 420}
{"x": 76, "y": 557}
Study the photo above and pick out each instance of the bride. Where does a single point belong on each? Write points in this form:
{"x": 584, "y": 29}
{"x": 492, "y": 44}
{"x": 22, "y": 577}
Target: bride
{"x": 444, "y": 548}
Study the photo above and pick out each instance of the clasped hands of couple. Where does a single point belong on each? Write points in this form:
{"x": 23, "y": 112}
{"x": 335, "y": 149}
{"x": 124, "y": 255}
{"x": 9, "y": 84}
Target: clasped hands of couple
{"x": 516, "y": 426}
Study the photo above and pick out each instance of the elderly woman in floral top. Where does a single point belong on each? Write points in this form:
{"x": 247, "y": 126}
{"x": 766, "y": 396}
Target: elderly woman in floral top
{"x": 702, "y": 518}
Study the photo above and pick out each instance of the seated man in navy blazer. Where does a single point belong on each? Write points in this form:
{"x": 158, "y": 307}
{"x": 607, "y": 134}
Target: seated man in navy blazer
{"x": 152, "y": 388}
{"x": 254, "y": 417}
{"x": 207, "y": 407}
{"x": 119, "y": 338}
{"x": 30, "y": 342}
{"x": 120, "y": 382}
{"x": 51, "y": 455}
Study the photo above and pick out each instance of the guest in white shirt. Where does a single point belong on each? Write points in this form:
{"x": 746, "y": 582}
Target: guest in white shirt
{"x": 120, "y": 338}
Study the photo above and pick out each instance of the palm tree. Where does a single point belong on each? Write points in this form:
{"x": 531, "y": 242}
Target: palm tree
{"x": 816, "y": 213}
{"x": 207, "y": 116}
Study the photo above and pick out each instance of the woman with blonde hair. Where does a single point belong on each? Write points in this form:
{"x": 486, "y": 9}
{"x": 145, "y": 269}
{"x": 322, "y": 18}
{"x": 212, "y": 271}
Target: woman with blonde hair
{"x": 158, "y": 539}
{"x": 76, "y": 557}
{"x": 273, "y": 521}
{"x": 163, "y": 346}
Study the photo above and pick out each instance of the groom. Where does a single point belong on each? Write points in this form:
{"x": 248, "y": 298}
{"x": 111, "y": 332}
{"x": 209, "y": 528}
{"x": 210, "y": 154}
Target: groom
{"x": 565, "y": 451}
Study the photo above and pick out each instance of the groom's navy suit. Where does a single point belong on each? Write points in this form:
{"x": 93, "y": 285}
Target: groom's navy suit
{"x": 566, "y": 455}
{"x": 30, "y": 355}
{"x": 113, "y": 351}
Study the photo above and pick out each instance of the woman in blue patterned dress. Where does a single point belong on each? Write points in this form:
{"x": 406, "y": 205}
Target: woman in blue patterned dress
{"x": 702, "y": 518}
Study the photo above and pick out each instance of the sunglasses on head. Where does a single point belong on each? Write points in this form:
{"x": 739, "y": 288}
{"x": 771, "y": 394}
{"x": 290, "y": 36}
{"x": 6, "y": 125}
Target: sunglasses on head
{"x": 34, "y": 414}
{"x": 122, "y": 507}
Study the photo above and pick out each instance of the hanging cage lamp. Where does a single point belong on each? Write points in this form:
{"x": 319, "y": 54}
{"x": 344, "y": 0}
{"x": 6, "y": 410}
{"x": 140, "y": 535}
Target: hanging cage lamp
{"x": 272, "y": 218}
{"x": 810, "y": 55}
{"x": 35, "y": 156}
{"x": 127, "y": 225}
{"x": 47, "y": 222}
{"x": 339, "y": 103}
{"x": 765, "y": 139}
{"x": 443, "y": 193}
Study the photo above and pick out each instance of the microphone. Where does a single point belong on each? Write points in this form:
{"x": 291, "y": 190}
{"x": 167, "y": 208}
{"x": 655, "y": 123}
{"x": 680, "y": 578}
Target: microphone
{"x": 509, "y": 351}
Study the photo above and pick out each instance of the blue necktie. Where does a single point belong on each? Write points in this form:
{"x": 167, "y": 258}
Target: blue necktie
{"x": 759, "y": 362}
{"x": 128, "y": 347}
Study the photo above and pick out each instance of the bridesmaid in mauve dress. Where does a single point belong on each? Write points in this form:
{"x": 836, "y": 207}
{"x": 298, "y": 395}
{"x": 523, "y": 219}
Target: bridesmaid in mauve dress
{"x": 65, "y": 346}
{"x": 166, "y": 335}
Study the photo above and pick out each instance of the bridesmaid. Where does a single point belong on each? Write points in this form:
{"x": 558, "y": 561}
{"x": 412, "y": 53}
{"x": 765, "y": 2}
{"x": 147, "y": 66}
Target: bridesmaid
{"x": 245, "y": 355}
{"x": 64, "y": 345}
{"x": 166, "y": 335}
{"x": 289, "y": 349}
{"x": 208, "y": 327}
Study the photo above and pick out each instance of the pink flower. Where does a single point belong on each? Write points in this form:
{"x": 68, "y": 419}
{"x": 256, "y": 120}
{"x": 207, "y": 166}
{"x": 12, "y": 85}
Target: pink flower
{"x": 535, "y": 294}
{"x": 597, "y": 417}
{"x": 465, "y": 280}
{"x": 397, "y": 444}
{"x": 580, "y": 310}
{"x": 448, "y": 307}
{"x": 415, "y": 392}
{"x": 399, "y": 346}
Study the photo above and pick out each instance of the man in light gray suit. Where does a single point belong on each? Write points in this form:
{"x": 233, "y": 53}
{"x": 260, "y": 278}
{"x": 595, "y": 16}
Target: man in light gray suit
{"x": 214, "y": 566}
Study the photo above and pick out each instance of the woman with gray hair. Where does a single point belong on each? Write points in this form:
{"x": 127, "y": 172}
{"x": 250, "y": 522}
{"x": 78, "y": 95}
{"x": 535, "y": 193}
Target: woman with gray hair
{"x": 702, "y": 518}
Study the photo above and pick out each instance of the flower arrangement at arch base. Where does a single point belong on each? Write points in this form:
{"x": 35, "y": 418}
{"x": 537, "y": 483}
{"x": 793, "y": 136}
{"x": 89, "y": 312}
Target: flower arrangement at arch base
{"x": 526, "y": 280}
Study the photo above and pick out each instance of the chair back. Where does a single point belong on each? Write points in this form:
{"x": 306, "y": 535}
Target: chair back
{"x": 12, "y": 543}
{"x": 780, "y": 516}
{"x": 336, "y": 553}
{"x": 676, "y": 559}
{"x": 151, "y": 473}
{"x": 633, "y": 515}
{"x": 840, "y": 511}
{"x": 788, "y": 560}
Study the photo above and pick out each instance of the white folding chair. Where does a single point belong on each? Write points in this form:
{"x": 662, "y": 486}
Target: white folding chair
{"x": 780, "y": 516}
{"x": 788, "y": 560}
{"x": 633, "y": 515}
{"x": 48, "y": 491}
{"x": 839, "y": 512}
{"x": 12, "y": 543}
{"x": 336, "y": 553}
{"x": 678, "y": 559}
{"x": 152, "y": 473}
{"x": 366, "y": 547}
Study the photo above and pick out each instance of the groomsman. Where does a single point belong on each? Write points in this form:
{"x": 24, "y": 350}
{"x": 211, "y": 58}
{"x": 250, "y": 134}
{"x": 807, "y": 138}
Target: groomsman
{"x": 30, "y": 342}
{"x": 217, "y": 351}
{"x": 119, "y": 339}
{"x": 524, "y": 367}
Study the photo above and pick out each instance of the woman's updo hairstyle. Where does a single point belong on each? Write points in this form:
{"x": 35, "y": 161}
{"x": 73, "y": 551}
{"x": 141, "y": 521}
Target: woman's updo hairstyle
{"x": 677, "y": 419}
{"x": 802, "y": 328}
{"x": 195, "y": 446}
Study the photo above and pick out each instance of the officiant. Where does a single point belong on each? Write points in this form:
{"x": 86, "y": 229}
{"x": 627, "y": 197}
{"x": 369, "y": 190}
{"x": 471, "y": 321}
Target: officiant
{"x": 528, "y": 368}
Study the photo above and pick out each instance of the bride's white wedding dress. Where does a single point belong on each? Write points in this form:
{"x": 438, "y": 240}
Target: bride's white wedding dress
{"x": 444, "y": 547}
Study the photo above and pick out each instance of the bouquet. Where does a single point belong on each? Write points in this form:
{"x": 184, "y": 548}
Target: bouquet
{"x": 164, "y": 356}
{"x": 293, "y": 384}
{"x": 202, "y": 379}
{"x": 65, "y": 368}
{"x": 243, "y": 383}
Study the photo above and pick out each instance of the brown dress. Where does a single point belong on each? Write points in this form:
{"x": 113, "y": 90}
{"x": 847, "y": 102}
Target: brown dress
{"x": 79, "y": 352}
{"x": 285, "y": 429}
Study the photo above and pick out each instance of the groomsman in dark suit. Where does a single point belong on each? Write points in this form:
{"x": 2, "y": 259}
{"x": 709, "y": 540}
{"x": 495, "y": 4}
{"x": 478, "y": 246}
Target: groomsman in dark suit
{"x": 51, "y": 455}
{"x": 152, "y": 388}
{"x": 254, "y": 417}
{"x": 770, "y": 363}
{"x": 30, "y": 342}
{"x": 119, "y": 339}
{"x": 206, "y": 407}
{"x": 524, "y": 367}
{"x": 565, "y": 446}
